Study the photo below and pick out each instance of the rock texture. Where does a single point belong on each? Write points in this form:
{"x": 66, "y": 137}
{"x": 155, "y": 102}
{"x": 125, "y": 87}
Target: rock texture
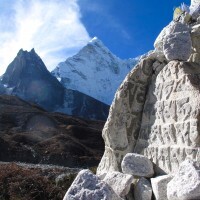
{"x": 123, "y": 124}
{"x": 119, "y": 182}
{"x": 159, "y": 186}
{"x": 177, "y": 36}
{"x": 88, "y": 186}
{"x": 170, "y": 123}
{"x": 143, "y": 190}
{"x": 186, "y": 183}
{"x": 137, "y": 165}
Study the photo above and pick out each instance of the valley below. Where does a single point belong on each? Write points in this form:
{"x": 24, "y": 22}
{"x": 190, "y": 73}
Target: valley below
{"x": 42, "y": 152}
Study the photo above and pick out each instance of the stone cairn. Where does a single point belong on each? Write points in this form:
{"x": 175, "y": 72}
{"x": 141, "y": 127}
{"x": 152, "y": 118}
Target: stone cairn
{"x": 152, "y": 134}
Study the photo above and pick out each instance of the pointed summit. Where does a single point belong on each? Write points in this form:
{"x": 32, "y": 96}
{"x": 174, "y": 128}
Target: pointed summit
{"x": 95, "y": 40}
{"x": 30, "y": 80}
{"x": 94, "y": 71}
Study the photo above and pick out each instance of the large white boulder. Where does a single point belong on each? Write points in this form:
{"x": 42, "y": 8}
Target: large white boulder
{"x": 143, "y": 190}
{"x": 177, "y": 43}
{"x": 88, "y": 186}
{"x": 119, "y": 182}
{"x": 186, "y": 183}
{"x": 123, "y": 124}
{"x": 137, "y": 165}
{"x": 159, "y": 186}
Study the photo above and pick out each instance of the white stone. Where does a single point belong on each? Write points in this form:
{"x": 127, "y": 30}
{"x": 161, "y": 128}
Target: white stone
{"x": 169, "y": 132}
{"x": 195, "y": 3}
{"x": 177, "y": 43}
{"x": 159, "y": 186}
{"x": 88, "y": 186}
{"x": 195, "y": 8}
{"x": 186, "y": 183}
{"x": 119, "y": 182}
{"x": 143, "y": 190}
{"x": 122, "y": 127}
{"x": 195, "y": 36}
{"x": 172, "y": 27}
{"x": 158, "y": 44}
{"x": 137, "y": 165}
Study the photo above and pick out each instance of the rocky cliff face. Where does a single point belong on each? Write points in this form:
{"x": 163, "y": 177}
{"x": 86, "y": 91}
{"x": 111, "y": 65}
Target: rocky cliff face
{"x": 29, "y": 79}
{"x": 94, "y": 71}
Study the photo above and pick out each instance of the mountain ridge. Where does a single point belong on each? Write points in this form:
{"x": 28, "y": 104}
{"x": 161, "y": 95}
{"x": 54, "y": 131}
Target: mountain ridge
{"x": 94, "y": 70}
{"x": 28, "y": 78}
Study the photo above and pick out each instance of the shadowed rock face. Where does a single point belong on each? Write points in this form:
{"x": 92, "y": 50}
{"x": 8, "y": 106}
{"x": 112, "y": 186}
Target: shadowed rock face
{"x": 30, "y": 79}
{"x": 30, "y": 134}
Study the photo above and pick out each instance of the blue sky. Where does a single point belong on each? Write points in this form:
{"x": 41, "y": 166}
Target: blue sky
{"x": 58, "y": 29}
{"x": 127, "y": 27}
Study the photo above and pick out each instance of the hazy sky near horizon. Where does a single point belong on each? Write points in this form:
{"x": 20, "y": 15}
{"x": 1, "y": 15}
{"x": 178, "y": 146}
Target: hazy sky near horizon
{"x": 58, "y": 29}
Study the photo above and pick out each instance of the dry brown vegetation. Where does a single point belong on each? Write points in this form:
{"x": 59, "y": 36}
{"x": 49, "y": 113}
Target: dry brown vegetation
{"x": 21, "y": 183}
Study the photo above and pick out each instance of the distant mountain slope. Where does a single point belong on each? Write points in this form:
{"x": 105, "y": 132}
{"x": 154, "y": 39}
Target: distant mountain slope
{"x": 30, "y": 134}
{"x": 28, "y": 78}
{"x": 94, "y": 71}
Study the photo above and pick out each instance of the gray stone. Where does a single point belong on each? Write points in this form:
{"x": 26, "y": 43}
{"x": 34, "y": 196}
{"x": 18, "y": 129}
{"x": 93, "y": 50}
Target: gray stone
{"x": 195, "y": 8}
{"x": 119, "y": 182}
{"x": 143, "y": 190}
{"x": 169, "y": 130}
{"x": 123, "y": 123}
{"x": 88, "y": 186}
{"x": 137, "y": 165}
{"x": 186, "y": 183}
{"x": 177, "y": 43}
{"x": 159, "y": 186}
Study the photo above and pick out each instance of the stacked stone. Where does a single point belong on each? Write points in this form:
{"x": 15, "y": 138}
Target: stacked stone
{"x": 136, "y": 182}
{"x": 154, "y": 118}
{"x": 133, "y": 183}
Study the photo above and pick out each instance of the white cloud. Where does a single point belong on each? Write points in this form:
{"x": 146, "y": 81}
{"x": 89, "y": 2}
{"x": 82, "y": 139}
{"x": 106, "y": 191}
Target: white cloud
{"x": 52, "y": 27}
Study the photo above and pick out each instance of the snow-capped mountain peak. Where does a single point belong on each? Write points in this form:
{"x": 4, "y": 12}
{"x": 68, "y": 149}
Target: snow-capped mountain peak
{"x": 94, "y": 70}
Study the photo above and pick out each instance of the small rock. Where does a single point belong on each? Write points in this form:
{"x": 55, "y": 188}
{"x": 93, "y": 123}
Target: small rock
{"x": 143, "y": 190}
{"x": 159, "y": 186}
{"x": 186, "y": 183}
{"x": 177, "y": 43}
{"x": 88, "y": 186}
{"x": 137, "y": 165}
{"x": 119, "y": 182}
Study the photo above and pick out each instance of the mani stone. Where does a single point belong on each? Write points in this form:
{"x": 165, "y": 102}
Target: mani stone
{"x": 170, "y": 130}
{"x": 143, "y": 190}
{"x": 159, "y": 186}
{"x": 186, "y": 183}
{"x": 123, "y": 124}
{"x": 88, "y": 186}
{"x": 137, "y": 165}
{"x": 119, "y": 182}
{"x": 177, "y": 43}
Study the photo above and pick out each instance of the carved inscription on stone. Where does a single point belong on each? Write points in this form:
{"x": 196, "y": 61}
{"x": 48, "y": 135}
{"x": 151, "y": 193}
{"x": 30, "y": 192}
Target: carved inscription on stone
{"x": 172, "y": 132}
{"x": 123, "y": 124}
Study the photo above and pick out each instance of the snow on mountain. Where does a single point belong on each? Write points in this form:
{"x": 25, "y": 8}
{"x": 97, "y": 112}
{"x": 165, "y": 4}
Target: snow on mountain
{"x": 94, "y": 71}
{"x": 28, "y": 78}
